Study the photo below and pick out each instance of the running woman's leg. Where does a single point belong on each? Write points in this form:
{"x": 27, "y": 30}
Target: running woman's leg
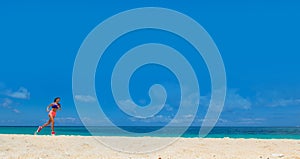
{"x": 52, "y": 122}
{"x": 47, "y": 123}
{"x": 41, "y": 127}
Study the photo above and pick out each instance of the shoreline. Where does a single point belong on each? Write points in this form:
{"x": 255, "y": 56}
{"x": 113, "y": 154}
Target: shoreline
{"x": 193, "y": 132}
{"x": 180, "y": 137}
{"x": 65, "y": 146}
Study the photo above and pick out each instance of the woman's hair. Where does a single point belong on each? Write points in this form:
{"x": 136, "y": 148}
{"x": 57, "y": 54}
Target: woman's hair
{"x": 56, "y": 99}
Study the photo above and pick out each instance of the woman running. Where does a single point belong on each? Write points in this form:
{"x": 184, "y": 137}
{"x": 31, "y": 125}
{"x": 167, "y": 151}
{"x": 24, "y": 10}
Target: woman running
{"x": 52, "y": 113}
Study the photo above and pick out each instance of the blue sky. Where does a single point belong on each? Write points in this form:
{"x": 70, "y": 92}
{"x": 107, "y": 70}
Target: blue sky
{"x": 258, "y": 41}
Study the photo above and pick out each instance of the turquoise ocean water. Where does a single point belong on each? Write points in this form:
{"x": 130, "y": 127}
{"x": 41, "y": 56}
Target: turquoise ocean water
{"x": 217, "y": 132}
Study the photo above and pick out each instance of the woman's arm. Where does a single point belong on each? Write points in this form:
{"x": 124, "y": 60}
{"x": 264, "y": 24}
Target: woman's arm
{"x": 59, "y": 106}
{"x": 49, "y": 107}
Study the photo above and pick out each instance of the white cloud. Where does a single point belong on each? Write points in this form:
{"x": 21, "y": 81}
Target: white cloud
{"x": 283, "y": 102}
{"x": 249, "y": 121}
{"x": 191, "y": 99}
{"x": 95, "y": 121}
{"x": 241, "y": 121}
{"x": 8, "y": 104}
{"x": 126, "y": 102}
{"x": 85, "y": 98}
{"x": 66, "y": 120}
{"x": 22, "y": 93}
{"x": 233, "y": 100}
{"x": 221, "y": 120}
{"x": 7, "y": 121}
{"x": 154, "y": 119}
{"x": 182, "y": 120}
{"x": 127, "y": 105}
{"x": 131, "y": 108}
{"x": 236, "y": 101}
{"x": 16, "y": 111}
{"x": 276, "y": 98}
{"x": 169, "y": 108}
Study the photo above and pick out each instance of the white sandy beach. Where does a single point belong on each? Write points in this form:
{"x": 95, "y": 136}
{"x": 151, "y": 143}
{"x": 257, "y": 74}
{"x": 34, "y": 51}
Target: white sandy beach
{"x": 87, "y": 147}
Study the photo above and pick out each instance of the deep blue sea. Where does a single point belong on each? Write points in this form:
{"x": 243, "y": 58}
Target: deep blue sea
{"x": 192, "y": 132}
